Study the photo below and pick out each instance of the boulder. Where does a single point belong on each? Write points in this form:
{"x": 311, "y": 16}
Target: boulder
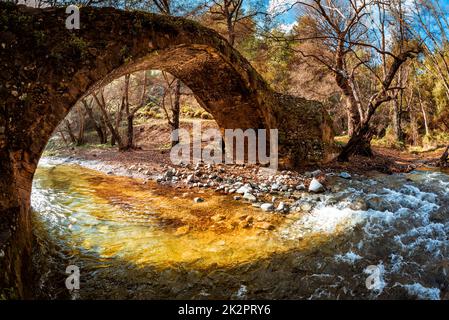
{"x": 315, "y": 186}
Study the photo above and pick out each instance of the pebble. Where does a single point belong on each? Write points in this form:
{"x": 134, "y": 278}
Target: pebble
{"x": 250, "y": 197}
{"x": 198, "y": 200}
{"x": 281, "y": 207}
{"x": 267, "y": 207}
{"x": 344, "y": 175}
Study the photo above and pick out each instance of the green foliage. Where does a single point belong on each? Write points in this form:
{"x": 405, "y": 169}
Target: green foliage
{"x": 436, "y": 139}
{"x": 271, "y": 58}
{"x": 389, "y": 140}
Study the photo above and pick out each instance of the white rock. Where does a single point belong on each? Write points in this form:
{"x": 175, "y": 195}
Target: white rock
{"x": 244, "y": 189}
{"x": 315, "y": 186}
{"x": 281, "y": 207}
{"x": 250, "y": 197}
{"x": 267, "y": 207}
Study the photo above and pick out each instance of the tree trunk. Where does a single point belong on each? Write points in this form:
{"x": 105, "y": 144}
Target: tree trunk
{"x": 351, "y": 124}
{"x": 423, "y": 110}
{"x": 114, "y": 132}
{"x": 359, "y": 143}
{"x": 231, "y": 31}
{"x": 97, "y": 126}
{"x": 413, "y": 127}
{"x": 63, "y": 138}
{"x": 81, "y": 121}
{"x": 176, "y": 109}
{"x": 130, "y": 144}
{"x": 397, "y": 120}
{"x": 444, "y": 158}
{"x": 69, "y": 130}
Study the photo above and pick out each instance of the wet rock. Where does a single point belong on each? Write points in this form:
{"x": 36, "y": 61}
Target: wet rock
{"x": 345, "y": 175}
{"x": 306, "y": 206}
{"x": 359, "y": 204}
{"x": 169, "y": 174}
{"x": 198, "y": 200}
{"x": 182, "y": 230}
{"x": 237, "y": 198}
{"x": 439, "y": 216}
{"x": 378, "y": 204}
{"x": 267, "y": 207}
{"x": 282, "y": 207}
{"x": 264, "y": 225}
{"x": 315, "y": 186}
{"x": 250, "y": 197}
{"x": 244, "y": 189}
{"x": 218, "y": 217}
{"x": 244, "y": 224}
{"x": 191, "y": 178}
{"x": 316, "y": 173}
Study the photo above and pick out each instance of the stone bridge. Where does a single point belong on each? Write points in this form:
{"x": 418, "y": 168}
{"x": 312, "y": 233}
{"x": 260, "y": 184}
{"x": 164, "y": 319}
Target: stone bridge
{"x": 45, "y": 69}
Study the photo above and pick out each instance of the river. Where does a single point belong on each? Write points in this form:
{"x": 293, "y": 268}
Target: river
{"x": 373, "y": 237}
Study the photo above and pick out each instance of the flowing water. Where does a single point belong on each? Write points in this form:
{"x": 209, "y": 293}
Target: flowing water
{"x": 370, "y": 237}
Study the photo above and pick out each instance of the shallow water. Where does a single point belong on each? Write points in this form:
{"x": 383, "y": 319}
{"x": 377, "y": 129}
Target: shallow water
{"x": 134, "y": 240}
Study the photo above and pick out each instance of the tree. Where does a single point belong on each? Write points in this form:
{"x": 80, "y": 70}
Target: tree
{"x": 172, "y": 87}
{"x": 130, "y": 108}
{"x": 102, "y": 135}
{"x": 232, "y": 14}
{"x": 101, "y": 103}
{"x": 353, "y": 42}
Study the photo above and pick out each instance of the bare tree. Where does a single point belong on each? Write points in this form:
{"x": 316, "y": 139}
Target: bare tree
{"x": 231, "y": 12}
{"x": 102, "y": 135}
{"x": 130, "y": 108}
{"x": 354, "y": 40}
{"x": 101, "y": 103}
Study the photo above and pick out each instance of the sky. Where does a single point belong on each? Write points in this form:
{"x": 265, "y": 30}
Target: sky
{"x": 286, "y": 18}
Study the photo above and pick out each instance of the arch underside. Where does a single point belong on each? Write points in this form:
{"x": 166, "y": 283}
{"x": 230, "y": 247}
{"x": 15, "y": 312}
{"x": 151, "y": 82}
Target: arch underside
{"x": 215, "y": 84}
{"x": 45, "y": 69}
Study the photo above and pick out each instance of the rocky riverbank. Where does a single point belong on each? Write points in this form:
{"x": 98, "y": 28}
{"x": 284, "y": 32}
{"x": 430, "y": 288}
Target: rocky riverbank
{"x": 283, "y": 191}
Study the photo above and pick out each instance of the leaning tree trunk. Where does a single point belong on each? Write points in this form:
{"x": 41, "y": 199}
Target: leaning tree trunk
{"x": 444, "y": 158}
{"x": 359, "y": 143}
{"x": 70, "y": 132}
{"x": 97, "y": 125}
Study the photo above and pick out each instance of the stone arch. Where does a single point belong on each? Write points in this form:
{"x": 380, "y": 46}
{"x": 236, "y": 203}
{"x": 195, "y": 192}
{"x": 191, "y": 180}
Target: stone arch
{"x": 45, "y": 69}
